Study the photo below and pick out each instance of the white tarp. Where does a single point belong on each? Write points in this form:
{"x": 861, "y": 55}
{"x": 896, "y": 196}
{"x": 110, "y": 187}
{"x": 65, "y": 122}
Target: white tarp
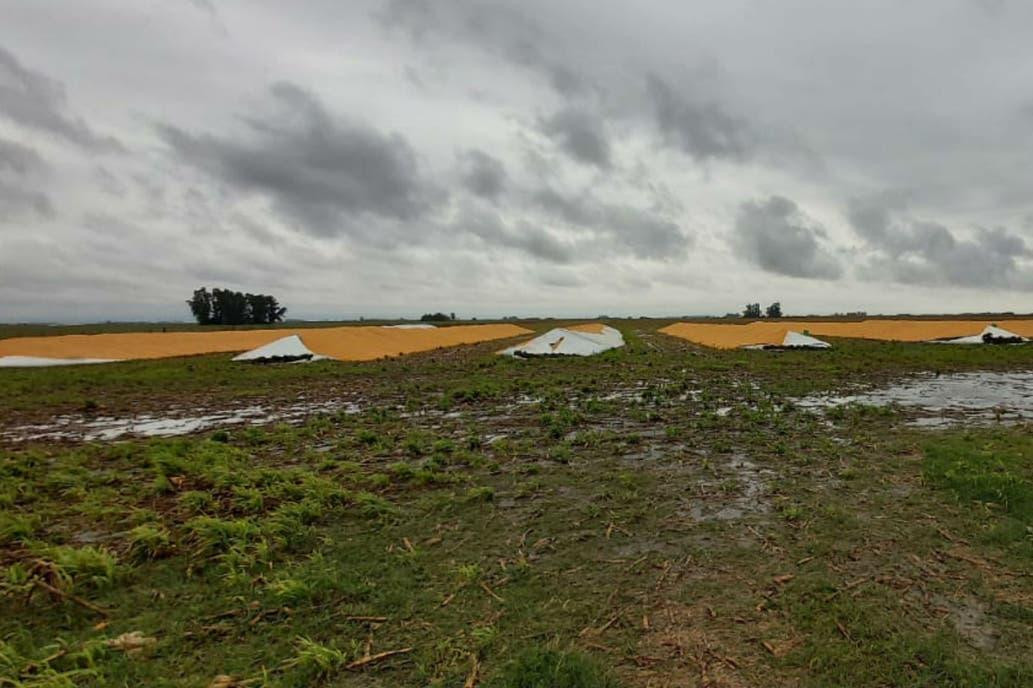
{"x": 413, "y": 326}
{"x": 794, "y": 340}
{"x": 40, "y": 362}
{"x": 563, "y": 342}
{"x": 990, "y": 332}
{"x": 797, "y": 340}
{"x": 286, "y": 349}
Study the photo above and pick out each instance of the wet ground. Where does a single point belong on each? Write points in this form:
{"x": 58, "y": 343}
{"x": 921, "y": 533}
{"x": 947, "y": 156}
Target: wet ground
{"x": 944, "y": 400}
{"x": 176, "y": 421}
{"x": 930, "y": 400}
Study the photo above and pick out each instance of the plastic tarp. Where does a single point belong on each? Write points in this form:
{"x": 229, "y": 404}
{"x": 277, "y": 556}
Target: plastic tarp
{"x": 797, "y": 340}
{"x": 991, "y": 334}
{"x": 793, "y": 340}
{"x": 42, "y": 362}
{"x": 285, "y": 350}
{"x": 563, "y": 341}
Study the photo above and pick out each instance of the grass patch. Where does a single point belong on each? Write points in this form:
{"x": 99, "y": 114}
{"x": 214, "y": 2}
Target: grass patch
{"x": 548, "y": 668}
{"x": 991, "y": 470}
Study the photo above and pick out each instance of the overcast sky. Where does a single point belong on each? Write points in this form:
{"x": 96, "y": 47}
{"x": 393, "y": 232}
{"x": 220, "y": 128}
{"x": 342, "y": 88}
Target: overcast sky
{"x": 573, "y": 157}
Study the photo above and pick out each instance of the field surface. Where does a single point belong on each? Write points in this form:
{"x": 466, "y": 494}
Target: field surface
{"x": 348, "y": 343}
{"x": 657, "y": 515}
{"x": 734, "y": 335}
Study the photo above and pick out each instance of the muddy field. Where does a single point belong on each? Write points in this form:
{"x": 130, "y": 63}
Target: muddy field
{"x": 660, "y": 515}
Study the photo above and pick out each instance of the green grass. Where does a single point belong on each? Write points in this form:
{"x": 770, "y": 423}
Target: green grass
{"x": 547, "y": 668}
{"x": 991, "y": 473}
{"x": 583, "y": 523}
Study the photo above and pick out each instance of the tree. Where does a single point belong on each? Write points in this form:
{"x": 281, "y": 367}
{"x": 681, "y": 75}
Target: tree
{"x": 752, "y": 310}
{"x": 264, "y": 309}
{"x": 228, "y": 307}
{"x": 435, "y": 317}
{"x": 201, "y": 306}
{"x": 775, "y": 310}
{"x": 231, "y": 307}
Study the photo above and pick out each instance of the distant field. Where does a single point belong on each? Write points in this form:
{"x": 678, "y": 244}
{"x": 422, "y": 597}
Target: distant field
{"x": 661, "y": 514}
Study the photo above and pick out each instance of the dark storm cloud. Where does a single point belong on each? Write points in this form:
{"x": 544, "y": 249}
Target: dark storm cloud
{"x": 915, "y": 251}
{"x": 482, "y": 174}
{"x": 702, "y": 130}
{"x": 776, "y": 236}
{"x": 504, "y": 31}
{"x": 622, "y": 228}
{"x": 581, "y": 134}
{"x": 318, "y": 169}
{"x": 36, "y": 101}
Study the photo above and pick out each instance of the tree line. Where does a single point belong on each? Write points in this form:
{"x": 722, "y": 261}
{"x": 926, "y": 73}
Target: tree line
{"x": 228, "y": 307}
{"x": 752, "y": 310}
{"x": 437, "y": 317}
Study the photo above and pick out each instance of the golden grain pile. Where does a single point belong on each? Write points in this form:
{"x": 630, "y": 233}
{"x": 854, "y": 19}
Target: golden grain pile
{"x": 342, "y": 343}
{"x": 732, "y": 336}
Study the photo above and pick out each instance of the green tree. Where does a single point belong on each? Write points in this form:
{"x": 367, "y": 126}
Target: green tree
{"x": 228, "y": 307}
{"x": 435, "y": 317}
{"x": 201, "y": 306}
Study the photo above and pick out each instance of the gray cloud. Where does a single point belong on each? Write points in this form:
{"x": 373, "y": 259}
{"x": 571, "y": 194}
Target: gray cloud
{"x": 916, "y": 251}
{"x": 703, "y": 130}
{"x": 581, "y": 134}
{"x": 17, "y": 202}
{"x": 319, "y": 170}
{"x": 208, "y": 8}
{"x": 570, "y": 209}
{"x": 36, "y": 101}
{"x": 776, "y": 236}
{"x": 641, "y": 233}
{"x": 483, "y": 175}
{"x": 531, "y": 239}
{"x": 680, "y": 111}
{"x": 21, "y": 170}
{"x": 508, "y": 32}
{"x": 19, "y": 159}
{"x": 645, "y": 234}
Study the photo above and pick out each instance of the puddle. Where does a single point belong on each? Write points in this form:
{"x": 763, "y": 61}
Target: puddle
{"x": 970, "y": 619}
{"x": 748, "y": 498}
{"x": 107, "y": 428}
{"x": 944, "y": 400}
{"x": 738, "y": 489}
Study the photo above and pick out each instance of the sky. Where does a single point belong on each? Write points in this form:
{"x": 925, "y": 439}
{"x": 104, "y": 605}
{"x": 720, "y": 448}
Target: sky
{"x": 515, "y": 157}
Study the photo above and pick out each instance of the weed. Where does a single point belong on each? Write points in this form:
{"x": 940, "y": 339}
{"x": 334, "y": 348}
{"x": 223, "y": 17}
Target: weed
{"x": 314, "y": 660}
{"x": 149, "y": 541}
{"x": 480, "y": 494}
{"x": 468, "y": 573}
{"x": 85, "y": 567}
{"x": 373, "y": 506}
{"x": 16, "y": 527}
{"x": 213, "y": 535}
{"x": 546, "y": 668}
